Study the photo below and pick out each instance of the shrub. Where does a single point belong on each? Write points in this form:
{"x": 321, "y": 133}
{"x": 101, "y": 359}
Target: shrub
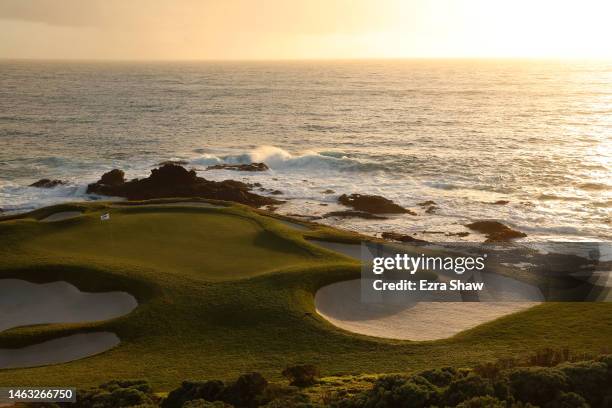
{"x": 589, "y": 379}
{"x": 190, "y": 390}
{"x": 245, "y": 391}
{"x": 568, "y": 400}
{"x": 467, "y": 388}
{"x": 117, "y": 393}
{"x": 537, "y": 385}
{"x": 482, "y": 402}
{"x": 394, "y": 392}
{"x": 202, "y": 403}
{"x": 301, "y": 375}
{"x": 440, "y": 377}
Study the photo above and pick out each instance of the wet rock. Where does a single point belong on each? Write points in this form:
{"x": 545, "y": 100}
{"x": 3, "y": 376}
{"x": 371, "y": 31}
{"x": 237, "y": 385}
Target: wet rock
{"x": 114, "y": 177}
{"x": 495, "y": 231}
{"x": 431, "y": 209}
{"x": 457, "y": 234}
{"x": 426, "y": 203}
{"x": 328, "y": 191}
{"x": 240, "y": 167}
{"x": 500, "y": 202}
{"x": 354, "y": 214}
{"x": 276, "y": 192}
{"x": 402, "y": 237}
{"x": 271, "y": 208}
{"x": 374, "y": 204}
{"x": 47, "y": 183}
{"x": 172, "y": 180}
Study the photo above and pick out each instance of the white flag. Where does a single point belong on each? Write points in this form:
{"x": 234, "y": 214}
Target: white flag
{"x": 105, "y": 217}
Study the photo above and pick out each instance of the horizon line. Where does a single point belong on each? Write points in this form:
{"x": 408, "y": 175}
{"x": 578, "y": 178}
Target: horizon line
{"x": 352, "y": 59}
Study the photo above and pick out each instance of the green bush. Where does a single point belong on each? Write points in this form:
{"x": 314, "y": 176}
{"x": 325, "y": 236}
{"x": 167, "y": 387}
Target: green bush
{"x": 568, "y": 400}
{"x": 302, "y": 375}
{"x": 466, "y": 388}
{"x": 537, "y": 385}
{"x": 117, "y": 393}
{"x": 440, "y": 377}
{"x": 589, "y": 379}
{"x": 246, "y": 391}
{"x": 191, "y": 390}
{"x": 482, "y": 402}
{"x": 202, "y": 403}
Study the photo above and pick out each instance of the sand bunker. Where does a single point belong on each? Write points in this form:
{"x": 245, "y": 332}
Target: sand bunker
{"x": 24, "y": 303}
{"x": 57, "y": 351}
{"x": 341, "y": 304}
{"x": 60, "y": 216}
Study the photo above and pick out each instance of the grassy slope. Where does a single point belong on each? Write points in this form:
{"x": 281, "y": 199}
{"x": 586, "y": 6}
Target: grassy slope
{"x": 226, "y": 291}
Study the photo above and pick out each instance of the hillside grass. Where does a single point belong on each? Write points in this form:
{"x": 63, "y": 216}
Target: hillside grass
{"x": 224, "y": 291}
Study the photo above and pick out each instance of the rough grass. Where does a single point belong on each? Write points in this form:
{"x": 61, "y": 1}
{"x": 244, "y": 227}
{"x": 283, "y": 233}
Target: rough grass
{"x": 224, "y": 291}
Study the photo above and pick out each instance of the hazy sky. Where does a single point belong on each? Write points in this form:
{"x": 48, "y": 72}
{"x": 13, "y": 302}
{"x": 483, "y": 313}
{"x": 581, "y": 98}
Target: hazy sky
{"x": 282, "y": 29}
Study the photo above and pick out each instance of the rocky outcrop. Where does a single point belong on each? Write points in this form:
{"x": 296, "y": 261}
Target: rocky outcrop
{"x": 114, "y": 177}
{"x": 240, "y": 167}
{"x": 374, "y": 204}
{"x": 394, "y": 236}
{"x": 328, "y": 191}
{"x": 47, "y": 183}
{"x": 495, "y": 231}
{"x": 172, "y": 180}
{"x": 354, "y": 214}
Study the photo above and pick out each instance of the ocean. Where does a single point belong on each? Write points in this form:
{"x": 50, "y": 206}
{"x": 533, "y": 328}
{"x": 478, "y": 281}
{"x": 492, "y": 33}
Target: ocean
{"x": 464, "y": 134}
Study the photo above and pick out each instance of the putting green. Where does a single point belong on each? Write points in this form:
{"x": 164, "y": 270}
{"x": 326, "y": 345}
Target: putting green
{"x": 223, "y": 291}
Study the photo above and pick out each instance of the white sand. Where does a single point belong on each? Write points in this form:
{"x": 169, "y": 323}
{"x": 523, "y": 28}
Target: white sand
{"x": 60, "y": 216}
{"x": 341, "y": 304}
{"x": 24, "y": 303}
{"x": 58, "y": 351}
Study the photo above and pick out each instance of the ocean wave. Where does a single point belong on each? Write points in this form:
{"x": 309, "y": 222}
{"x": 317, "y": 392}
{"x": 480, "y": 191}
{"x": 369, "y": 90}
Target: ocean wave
{"x": 280, "y": 159}
{"x": 594, "y": 186}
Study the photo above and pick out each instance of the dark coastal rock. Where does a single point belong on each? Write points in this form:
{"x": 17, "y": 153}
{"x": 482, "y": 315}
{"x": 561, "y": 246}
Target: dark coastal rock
{"x": 457, "y": 234}
{"x": 500, "y": 202}
{"x": 495, "y": 231}
{"x": 240, "y": 167}
{"x": 175, "y": 181}
{"x": 47, "y": 183}
{"x": 431, "y": 209}
{"x": 354, "y": 214}
{"x": 276, "y": 192}
{"x": 114, "y": 177}
{"x": 374, "y": 204}
{"x": 328, "y": 191}
{"x": 426, "y": 203}
{"x": 394, "y": 236}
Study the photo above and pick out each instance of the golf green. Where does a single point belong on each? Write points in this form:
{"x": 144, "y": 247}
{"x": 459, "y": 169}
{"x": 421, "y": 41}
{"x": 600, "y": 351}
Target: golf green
{"x": 227, "y": 290}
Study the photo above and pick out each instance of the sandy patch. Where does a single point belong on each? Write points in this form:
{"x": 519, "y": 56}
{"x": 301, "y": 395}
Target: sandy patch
{"x": 60, "y": 216}
{"x": 57, "y": 351}
{"x": 24, "y": 303}
{"x": 341, "y": 304}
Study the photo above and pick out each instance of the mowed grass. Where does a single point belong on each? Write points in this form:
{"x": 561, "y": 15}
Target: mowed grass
{"x": 224, "y": 291}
